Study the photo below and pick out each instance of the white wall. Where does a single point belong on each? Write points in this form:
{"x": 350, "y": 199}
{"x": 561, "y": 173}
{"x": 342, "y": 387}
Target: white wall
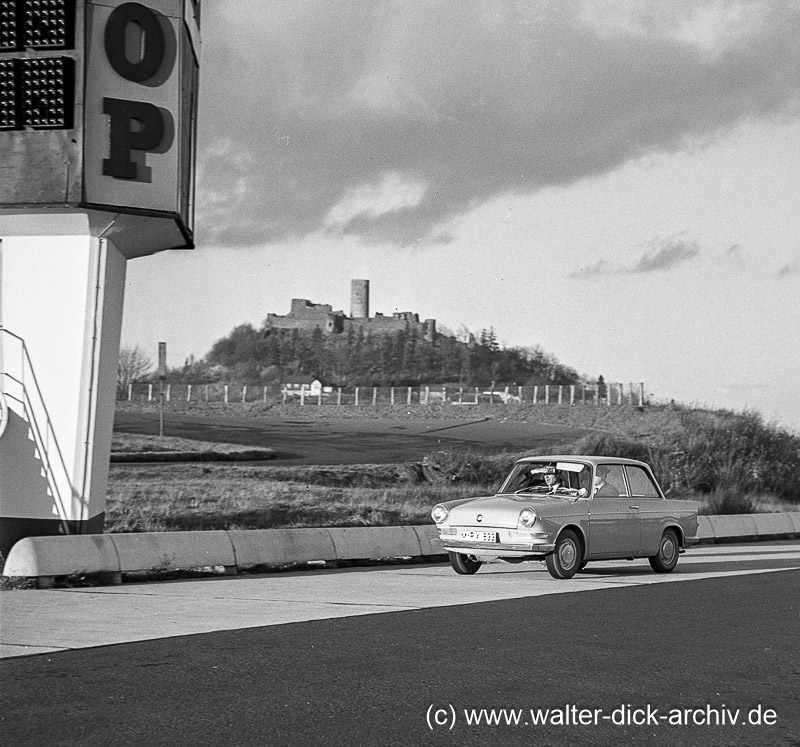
{"x": 62, "y": 292}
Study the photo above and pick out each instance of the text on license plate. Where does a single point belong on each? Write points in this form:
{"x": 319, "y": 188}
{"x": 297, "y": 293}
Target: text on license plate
{"x": 473, "y": 536}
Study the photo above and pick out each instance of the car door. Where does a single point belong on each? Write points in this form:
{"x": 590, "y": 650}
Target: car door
{"x": 646, "y": 495}
{"x": 614, "y": 524}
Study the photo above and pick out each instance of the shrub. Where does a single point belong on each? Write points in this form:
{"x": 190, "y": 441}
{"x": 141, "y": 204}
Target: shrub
{"x": 729, "y": 501}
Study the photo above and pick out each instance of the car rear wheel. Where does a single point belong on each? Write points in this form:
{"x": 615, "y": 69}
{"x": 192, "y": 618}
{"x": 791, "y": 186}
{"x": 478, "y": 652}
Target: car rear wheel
{"x": 464, "y": 564}
{"x": 665, "y": 560}
{"x": 565, "y": 560}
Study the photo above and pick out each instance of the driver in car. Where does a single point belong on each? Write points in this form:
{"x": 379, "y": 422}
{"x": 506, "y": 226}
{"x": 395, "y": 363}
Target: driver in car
{"x": 553, "y": 481}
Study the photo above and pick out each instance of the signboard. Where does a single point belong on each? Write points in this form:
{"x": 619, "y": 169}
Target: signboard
{"x": 98, "y": 102}
{"x": 41, "y": 87}
{"x": 139, "y": 107}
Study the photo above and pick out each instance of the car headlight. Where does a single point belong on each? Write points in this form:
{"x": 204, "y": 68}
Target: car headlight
{"x": 439, "y": 513}
{"x": 527, "y": 517}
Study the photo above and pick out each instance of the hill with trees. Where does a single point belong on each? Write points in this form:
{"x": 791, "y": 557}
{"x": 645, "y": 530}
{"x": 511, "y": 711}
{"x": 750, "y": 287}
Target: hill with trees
{"x": 267, "y": 356}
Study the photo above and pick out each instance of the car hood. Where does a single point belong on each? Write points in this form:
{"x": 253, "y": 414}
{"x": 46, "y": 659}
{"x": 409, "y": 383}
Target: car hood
{"x": 503, "y": 510}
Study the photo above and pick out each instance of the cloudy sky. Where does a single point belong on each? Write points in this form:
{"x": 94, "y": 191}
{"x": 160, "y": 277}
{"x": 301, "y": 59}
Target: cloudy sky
{"x": 617, "y": 182}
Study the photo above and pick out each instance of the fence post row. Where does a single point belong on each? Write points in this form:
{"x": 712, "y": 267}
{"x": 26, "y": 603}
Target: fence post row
{"x": 612, "y": 393}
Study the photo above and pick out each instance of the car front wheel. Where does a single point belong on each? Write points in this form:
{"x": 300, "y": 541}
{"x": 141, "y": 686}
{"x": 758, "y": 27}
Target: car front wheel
{"x": 665, "y": 560}
{"x": 463, "y": 564}
{"x": 565, "y": 560}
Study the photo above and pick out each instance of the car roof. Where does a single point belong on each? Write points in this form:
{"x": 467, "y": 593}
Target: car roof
{"x": 592, "y": 460}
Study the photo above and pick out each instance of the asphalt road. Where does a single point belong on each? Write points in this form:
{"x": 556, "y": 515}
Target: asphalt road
{"x": 352, "y": 441}
{"x": 704, "y": 651}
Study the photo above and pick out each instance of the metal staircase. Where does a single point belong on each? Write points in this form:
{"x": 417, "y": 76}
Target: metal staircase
{"x": 20, "y": 389}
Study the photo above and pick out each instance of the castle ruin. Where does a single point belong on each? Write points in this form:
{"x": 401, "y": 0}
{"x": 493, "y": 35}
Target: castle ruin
{"x": 305, "y": 315}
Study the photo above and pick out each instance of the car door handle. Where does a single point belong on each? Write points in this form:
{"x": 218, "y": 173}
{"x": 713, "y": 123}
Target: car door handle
{"x": 633, "y": 507}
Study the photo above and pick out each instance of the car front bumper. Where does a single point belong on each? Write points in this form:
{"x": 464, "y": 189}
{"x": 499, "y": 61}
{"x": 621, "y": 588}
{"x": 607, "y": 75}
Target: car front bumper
{"x": 498, "y": 549}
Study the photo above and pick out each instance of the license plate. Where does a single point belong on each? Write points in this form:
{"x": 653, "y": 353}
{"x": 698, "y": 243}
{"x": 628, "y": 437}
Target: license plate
{"x": 473, "y": 536}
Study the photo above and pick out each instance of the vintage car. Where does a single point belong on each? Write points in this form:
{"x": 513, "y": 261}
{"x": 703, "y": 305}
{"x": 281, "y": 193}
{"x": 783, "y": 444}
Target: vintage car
{"x": 569, "y": 511}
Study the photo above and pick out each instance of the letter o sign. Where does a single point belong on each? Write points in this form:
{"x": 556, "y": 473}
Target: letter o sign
{"x": 154, "y": 43}
{"x": 149, "y": 52}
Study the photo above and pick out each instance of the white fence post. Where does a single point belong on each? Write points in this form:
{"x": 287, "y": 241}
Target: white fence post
{"x": 188, "y": 392}
{"x": 374, "y": 396}
{"x": 572, "y": 394}
{"x": 460, "y": 395}
{"x": 339, "y": 396}
{"x": 409, "y": 395}
{"x": 130, "y": 392}
{"x": 391, "y": 395}
{"x": 356, "y": 397}
{"x": 244, "y": 393}
{"x": 559, "y": 394}
{"x": 536, "y": 394}
{"x": 149, "y": 392}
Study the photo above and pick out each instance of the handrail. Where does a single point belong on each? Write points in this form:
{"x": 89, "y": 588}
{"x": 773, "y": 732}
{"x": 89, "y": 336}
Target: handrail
{"x": 34, "y": 414}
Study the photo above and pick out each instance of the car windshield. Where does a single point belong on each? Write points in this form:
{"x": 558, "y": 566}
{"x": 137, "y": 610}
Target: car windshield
{"x": 548, "y": 477}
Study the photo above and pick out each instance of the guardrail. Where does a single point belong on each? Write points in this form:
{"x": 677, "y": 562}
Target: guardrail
{"x": 45, "y": 558}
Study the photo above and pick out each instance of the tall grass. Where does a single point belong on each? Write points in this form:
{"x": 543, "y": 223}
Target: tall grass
{"x": 190, "y": 497}
{"x": 732, "y": 463}
{"x": 714, "y": 452}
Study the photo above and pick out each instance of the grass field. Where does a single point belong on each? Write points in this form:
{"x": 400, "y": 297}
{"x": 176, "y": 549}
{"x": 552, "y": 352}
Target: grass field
{"x": 732, "y": 463}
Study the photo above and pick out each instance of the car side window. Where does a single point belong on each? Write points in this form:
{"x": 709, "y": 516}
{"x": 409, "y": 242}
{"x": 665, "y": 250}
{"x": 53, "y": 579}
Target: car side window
{"x": 641, "y": 484}
{"x": 609, "y": 481}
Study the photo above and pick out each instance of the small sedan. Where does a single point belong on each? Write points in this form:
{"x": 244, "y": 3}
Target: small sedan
{"x": 568, "y": 511}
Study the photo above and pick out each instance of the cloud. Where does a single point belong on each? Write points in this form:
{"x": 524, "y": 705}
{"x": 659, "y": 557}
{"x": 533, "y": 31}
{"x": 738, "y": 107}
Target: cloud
{"x": 790, "y": 269}
{"x": 670, "y": 253}
{"x": 601, "y": 267}
{"x": 664, "y": 254}
{"x": 314, "y": 112}
{"x": 392, "y": 194}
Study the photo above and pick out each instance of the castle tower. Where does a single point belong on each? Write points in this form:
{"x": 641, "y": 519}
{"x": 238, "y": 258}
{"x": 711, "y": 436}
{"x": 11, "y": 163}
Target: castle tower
{"x": 430, "y": 330}
{"x": 359, "y": 299}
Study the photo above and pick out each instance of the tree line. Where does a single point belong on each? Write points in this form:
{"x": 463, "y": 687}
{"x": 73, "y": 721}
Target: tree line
{"x": 359, "y": 358}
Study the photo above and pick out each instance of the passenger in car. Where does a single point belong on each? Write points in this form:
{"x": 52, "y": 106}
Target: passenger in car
{"x": 601, "y": 485}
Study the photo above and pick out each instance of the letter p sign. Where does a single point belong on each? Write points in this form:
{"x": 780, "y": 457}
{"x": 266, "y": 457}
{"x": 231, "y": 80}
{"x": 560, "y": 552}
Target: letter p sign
{"x": 138, "y": 48}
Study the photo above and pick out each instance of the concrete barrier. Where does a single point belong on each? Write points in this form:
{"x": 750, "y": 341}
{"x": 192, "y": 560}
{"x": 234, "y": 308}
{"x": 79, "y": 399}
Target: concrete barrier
{"x": 62, "y": 556}
{"x": 705, "y": 529}
{"x": 733, "y": 527}
{"x": 47, "y": 557}
{"x": 147, "y": 551}
{"x": 281, "y": 546}
{"x": 429, "y": 541}
{"x": 773, "y": 525}
{"x": 375, "y": 542}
